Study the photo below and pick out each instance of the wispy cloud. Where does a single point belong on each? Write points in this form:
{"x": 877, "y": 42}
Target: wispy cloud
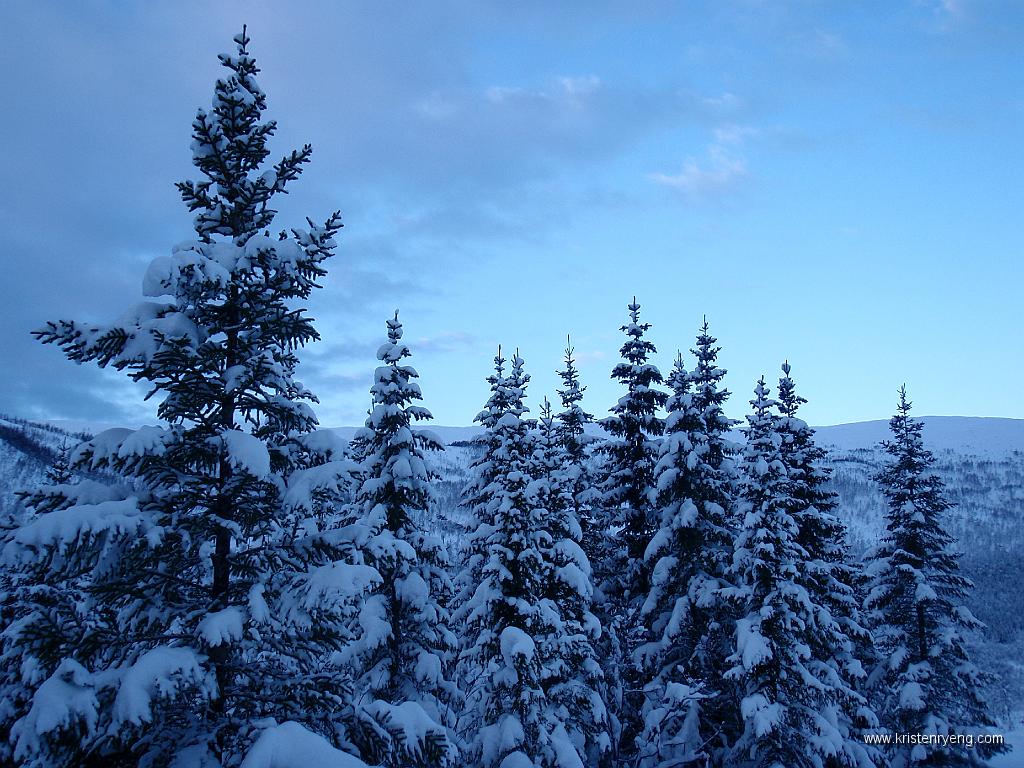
{"x": 722, "y": 167}
{"x": 585, "y": 356}
{"x": 445, "y": 341}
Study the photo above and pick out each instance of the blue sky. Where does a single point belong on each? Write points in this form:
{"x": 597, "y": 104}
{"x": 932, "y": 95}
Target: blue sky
{"x": 833, "y": 183}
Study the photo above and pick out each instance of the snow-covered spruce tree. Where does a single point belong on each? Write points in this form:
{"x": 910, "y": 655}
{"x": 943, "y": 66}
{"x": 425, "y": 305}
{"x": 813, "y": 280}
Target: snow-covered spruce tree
{"x": 709, "y": 399}
{"x": 687, "y": 616}
{"x": 172, "y": 618}
{"x": 506, "y": 395}
{"x": 402, "y": 654}
{"x": 626, "y": 506}
{"x": 572, "y": 420}
{"x": 574, "y": 681}
{"x": 925, "y": 681}
{"x": 510, "y": 626}
{"x": 783, "y": 690}
{"x": 833, "y": 582}
{"x": 16, "y": 687}
{"x": 580, "y": 477}
{"x": 60, "y": 471}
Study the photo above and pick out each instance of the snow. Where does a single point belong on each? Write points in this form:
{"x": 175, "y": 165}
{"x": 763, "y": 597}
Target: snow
{"x": 410, "y": 718}
{"x": 145, "y": 441}
{"x": 751, "y": 644}
{"x": 223, "y": 626}
{"x": 506, "y": 734}
{"x": 291, "y": 745}
{"x": 765, "y": 715}
{"x": 336, "y": 582}
{"x": 326, "y": 441}
{"x": 332, "y": 477}
{"x": 517, "y": 760}
{"x": 912, "y": 696}
{"x": 66, "y": 698}
{"x": 967, "y": 434}
{"x": 65, "y": 526}
{"x": 247, "y": 453}
{"x": 514, "y": 643}
{"x": 1015, "y": 757}
{"x": 104, "y": 445}
{"x": 412, "y": 590}
{"x": 158, "y": 672}
{"x": 259, "y": 611}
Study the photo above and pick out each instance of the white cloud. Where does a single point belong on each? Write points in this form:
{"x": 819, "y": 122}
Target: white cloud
{"x": 446, "y": 341}
{"x": 589, "y": 356}
{"x": 721, "y": 168}
{"x": 564, "y": 91}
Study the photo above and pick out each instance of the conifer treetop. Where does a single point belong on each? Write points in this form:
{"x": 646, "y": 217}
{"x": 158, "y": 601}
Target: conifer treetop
{"x": 573, "y": 418}
{"x": 229, "y": 145}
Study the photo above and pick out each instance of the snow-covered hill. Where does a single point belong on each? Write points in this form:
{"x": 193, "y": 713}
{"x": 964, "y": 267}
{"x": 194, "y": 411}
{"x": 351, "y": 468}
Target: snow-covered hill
{"x": 962, "y": 434}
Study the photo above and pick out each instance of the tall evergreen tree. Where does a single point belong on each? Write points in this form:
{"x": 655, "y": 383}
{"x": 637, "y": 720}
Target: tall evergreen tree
{"x": 506, "y": 396}
{"x": 572, "y": 421}
{"x": 832, "y": 580}
{"x": 789, "y": 694}
{"x": 575, "y": 681}
{"x": 926, "y": 682}
{"x": 580, "y": 481}
{"x": 170, "y": 616}
{"x": 709, "y": 399}
{"x": 687, "y": 715}
{"x": 686, "y": 614}
{"x": 631, "y": 454}
{"x": 510, "y": 624}
{"x": 627, "y": 507}
{"x": 403, "y": 650}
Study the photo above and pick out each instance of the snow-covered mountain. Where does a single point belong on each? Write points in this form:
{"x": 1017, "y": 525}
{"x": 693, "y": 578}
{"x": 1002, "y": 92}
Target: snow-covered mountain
{"x": 964, "y": 434}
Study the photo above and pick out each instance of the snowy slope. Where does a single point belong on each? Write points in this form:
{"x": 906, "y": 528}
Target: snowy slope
{"x": 964, "y": 434}
{"x": 27, "y": 449}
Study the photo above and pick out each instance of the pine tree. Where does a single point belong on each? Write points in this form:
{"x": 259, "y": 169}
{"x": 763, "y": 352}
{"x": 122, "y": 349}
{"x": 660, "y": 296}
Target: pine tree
{"x": 581, "y": 479}
{"x": 926, "y": 683}
{"x": 685, "y": 613}
{"x": 709, "y": 400}
{"x": 572, "y": 421}
{"x": 687, "y": 713}
{"x": 170, "y": 616}
{"x": 506, "y": 396}
{"x": 403, "y": 650}
{"x": 60, "y": 471}
{"x": 784, "y": 695}
{"x": 631, "y": 455}
{"x": 510, "y": 625}
{"x": 833, "y": 582}
{"x": 627, "y": 507}
{"x": 575, "y": 680}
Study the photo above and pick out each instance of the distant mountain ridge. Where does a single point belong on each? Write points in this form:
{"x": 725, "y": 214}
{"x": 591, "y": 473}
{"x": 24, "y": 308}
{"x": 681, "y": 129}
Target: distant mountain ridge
{"x": 978, "y": 435}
